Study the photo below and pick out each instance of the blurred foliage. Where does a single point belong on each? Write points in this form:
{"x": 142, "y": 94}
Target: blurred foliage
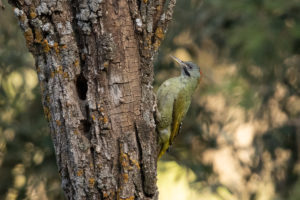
{"x": 242, "y": 133}
{"x": 241, "y": 138}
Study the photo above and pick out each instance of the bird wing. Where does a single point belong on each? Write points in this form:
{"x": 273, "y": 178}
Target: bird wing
{"x": 180, "y": 108}
{"x": 166, "y": 94}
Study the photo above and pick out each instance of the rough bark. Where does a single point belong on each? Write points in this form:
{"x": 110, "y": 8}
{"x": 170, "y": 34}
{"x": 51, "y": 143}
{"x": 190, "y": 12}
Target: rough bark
{"x": 94, "y": 63}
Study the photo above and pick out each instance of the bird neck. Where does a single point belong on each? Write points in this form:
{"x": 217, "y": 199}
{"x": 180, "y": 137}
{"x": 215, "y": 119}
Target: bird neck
{"x": 190, "y": 82}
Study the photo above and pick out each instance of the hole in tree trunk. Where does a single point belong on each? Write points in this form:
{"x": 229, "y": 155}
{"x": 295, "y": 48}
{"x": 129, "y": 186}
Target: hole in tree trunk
{"x": 85, "y": 125}
{"x": 82, "y": 86}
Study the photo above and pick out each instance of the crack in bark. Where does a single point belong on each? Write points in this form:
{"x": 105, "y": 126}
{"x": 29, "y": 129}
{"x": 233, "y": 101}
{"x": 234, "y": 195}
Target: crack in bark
{"x": 66, "y": 182}
{"x": 93, "y": 156}
{"x": 140, "y": 153}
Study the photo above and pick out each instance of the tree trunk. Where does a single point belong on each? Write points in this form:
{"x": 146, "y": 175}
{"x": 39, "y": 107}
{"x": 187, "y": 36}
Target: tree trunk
{"x": 94, "y": 63}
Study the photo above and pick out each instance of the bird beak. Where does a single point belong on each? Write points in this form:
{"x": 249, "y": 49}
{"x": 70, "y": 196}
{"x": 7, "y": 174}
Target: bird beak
{"x": 180, "y": 62}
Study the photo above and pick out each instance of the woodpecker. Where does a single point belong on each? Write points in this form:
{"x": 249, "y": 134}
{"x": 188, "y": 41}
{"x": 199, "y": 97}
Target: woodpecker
{"x": 173, "y": 101}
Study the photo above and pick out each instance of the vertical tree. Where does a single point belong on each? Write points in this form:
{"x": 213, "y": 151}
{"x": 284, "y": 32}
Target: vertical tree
{"x": 94, "y": 63}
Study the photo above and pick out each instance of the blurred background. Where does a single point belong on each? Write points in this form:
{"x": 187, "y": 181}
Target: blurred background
{"x": 241, "y": 137}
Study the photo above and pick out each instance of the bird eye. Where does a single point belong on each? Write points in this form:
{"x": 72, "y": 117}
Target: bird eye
{"x": 186, "y": 72}
{"x": 189, "y": 65}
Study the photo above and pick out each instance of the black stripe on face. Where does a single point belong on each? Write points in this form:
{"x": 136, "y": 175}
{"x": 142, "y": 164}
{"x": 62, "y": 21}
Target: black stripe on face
{"x": 186, "y": 71}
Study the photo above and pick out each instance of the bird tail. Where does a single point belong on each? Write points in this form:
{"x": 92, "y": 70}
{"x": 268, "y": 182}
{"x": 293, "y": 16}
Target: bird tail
{"x": 163, "y": 150}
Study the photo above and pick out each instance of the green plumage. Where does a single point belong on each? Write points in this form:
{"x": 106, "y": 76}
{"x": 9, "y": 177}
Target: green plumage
{"x": 173, "y": 101}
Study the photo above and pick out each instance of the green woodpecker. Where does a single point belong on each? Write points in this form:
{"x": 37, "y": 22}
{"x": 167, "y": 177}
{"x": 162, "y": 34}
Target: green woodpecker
{"x": 173, "y": 101}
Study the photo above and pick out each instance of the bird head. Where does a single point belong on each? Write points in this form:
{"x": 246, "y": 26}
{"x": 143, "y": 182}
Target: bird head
{"x": 188, "y": 68}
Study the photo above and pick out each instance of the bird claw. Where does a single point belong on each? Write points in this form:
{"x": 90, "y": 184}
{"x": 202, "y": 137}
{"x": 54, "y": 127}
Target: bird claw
{"x": 180, "y": 126}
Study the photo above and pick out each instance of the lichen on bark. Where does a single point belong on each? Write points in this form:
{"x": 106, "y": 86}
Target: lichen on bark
{"x": 94, "y": 60}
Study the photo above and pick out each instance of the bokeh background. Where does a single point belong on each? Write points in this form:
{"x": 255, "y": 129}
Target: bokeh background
{"x": 241, "y": 137}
